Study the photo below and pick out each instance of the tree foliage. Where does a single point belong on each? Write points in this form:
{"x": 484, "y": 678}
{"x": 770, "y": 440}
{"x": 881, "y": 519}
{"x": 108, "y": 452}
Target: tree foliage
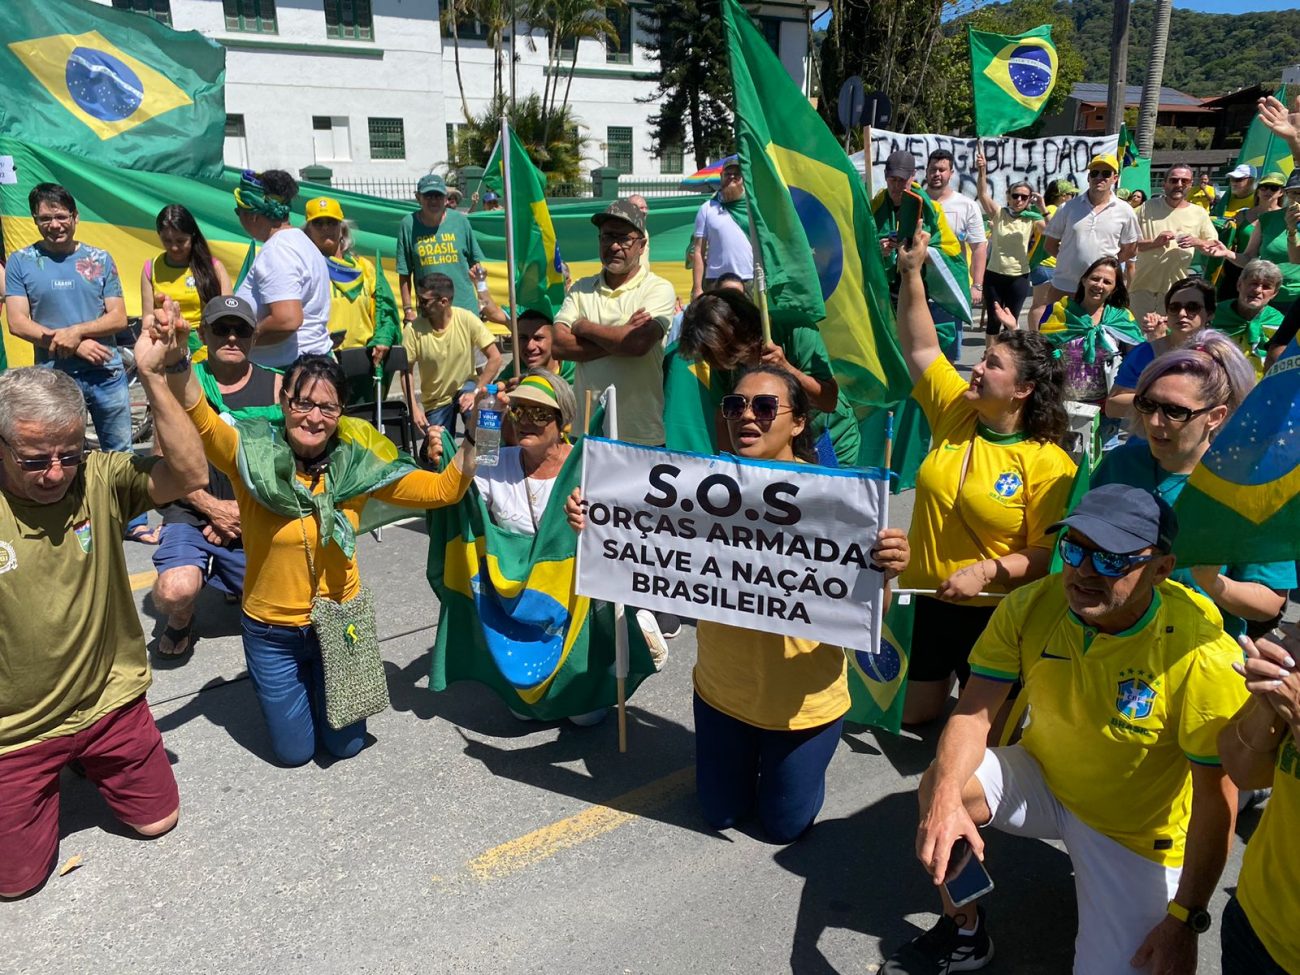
{"x": 551, "y": 139}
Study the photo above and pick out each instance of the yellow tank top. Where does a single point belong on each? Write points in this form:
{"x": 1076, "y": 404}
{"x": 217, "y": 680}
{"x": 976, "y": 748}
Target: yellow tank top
{"x": 178, "y": 284}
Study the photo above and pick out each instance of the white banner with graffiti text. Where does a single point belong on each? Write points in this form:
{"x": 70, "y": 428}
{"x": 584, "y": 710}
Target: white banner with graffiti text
{"x": 763, "y": 545}
{"x": 1036, "y": 161}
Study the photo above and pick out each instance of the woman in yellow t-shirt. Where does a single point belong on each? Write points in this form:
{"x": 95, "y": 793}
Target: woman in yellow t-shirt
{"x": 185, "y": 271}
{"x": 768, "y": 708}
{"x": 1011, "y": 231}
{"x": 993, "y": 482}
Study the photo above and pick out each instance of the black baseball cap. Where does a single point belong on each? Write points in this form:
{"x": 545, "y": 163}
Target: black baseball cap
{"x": 229, "y": 306}
{"x": 900, "y": 163}
{"x": 1122, "y": 519}
{"x": 621, "y": 210}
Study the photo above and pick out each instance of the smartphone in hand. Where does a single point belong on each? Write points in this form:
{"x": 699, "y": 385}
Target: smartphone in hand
{"x": 967, "y": 880}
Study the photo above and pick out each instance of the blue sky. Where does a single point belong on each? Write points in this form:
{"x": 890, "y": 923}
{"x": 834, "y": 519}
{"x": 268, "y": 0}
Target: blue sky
{"x": 1234, "y": 6}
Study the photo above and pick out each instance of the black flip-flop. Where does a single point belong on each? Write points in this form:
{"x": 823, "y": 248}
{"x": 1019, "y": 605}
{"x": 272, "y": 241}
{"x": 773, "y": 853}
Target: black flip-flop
{"x": 176, "y": 634}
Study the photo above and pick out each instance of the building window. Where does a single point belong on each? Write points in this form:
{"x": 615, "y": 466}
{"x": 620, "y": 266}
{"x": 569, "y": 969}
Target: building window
{"x": 349, "y": 19}
{"x": 621, "y": 18}
{"x": 387, "y": 138}
{"x": 250, "y": 16}
{"x": 467, "y": 29}
{"x": 160, "y": 10}
{"x": 771, "y": 27}
{"x": 329, "y": 136}
{"x": 618, "y": 148}
{"x": 235, "y": 147}
{"x": 671, "y": 159}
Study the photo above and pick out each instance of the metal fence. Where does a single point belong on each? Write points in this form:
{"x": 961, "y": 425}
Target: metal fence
{"x": 651, "y": 186}
{"x": 389, "y": 189}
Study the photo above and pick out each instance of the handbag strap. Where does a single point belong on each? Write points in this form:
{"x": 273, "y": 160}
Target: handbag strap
{"x": 311, "y": 563}
{"x": 956, "y": 504}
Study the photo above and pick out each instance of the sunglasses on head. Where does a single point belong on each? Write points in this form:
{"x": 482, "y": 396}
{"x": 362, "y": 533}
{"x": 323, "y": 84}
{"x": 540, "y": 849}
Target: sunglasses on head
{"x": 764, "y": 406}
{"x": 38, "y": 465}
{"x": 1171, "y": 411}
{"x": 1112, "y": 565}
{"x": 223, "y": 330}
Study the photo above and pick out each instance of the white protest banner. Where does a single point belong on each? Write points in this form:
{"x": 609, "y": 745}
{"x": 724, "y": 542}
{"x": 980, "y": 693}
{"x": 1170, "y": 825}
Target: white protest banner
{"x": 772, "y": 546}
{"x": 1036, "y": 161}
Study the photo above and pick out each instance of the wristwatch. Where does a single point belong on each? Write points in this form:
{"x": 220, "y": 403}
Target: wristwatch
{"x": 179, "y": 366}
{"x": 1198, "y": 920}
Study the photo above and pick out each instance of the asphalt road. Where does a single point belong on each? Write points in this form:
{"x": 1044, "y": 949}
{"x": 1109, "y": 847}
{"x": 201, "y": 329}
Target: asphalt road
{"x": 462, "y": 840}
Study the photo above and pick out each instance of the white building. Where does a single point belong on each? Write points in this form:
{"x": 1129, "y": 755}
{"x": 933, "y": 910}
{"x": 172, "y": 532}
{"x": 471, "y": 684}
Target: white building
{"x": 368, "y": 88}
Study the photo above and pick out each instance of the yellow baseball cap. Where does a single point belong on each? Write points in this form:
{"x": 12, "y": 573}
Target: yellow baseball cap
{"x": 323, "y": 206}
{"x": 1104, "y": 159}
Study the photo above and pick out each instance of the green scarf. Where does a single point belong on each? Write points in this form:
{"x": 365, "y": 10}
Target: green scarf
{"x": 1230, "y": 322}
{"x": 739, "y": 210}
{"x": 213, "y": 393}
{"x": 362, "y": 461}
{"x": 250, "y": 194}
{"x": 1069, "y": 321}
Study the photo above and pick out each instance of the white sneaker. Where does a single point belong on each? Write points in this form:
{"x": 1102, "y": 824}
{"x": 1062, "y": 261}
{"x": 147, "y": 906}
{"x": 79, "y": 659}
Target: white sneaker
{"x": 654, "y": 638}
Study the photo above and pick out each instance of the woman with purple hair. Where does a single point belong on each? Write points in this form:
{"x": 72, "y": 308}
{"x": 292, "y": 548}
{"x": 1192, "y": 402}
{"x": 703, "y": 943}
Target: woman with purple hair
{"x": 1182, "y": 400}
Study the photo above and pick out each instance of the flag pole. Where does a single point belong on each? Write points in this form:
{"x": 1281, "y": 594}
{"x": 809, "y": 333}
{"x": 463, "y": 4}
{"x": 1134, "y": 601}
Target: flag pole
{"x": 379, "y": 388}
{"x": 760, "y": 276}
{"x": 621, "y": 653}
{"x": 508, "y": 200}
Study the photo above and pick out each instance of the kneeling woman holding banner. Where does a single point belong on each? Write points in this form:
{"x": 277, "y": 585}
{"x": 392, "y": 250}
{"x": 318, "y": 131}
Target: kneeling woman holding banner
{"x": 768, "y": 708}
{"x": 994, "y": 479}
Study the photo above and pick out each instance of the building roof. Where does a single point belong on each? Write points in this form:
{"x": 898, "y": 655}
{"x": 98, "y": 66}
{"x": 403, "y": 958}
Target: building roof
{"x": 1171, "y": 99}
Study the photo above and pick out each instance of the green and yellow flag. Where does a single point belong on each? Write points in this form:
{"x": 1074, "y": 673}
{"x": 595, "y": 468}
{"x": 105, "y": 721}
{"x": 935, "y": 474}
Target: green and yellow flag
{"x": 1264, "y": 150}
{"x": 112, "y": 85}
{"x": 878, "y": 678}
{"x": 539, "y": 270}
{"x": 814, "y": 225}
{"x": 1011, "y": 78}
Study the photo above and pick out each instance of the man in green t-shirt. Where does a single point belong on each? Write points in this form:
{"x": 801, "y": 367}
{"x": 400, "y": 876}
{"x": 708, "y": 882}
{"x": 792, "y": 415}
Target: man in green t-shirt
{"x": 75, "y": 673}
{"x": 436, "y": 239}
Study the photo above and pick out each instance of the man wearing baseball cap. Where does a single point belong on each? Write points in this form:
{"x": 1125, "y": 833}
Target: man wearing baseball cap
{"x": 720, "y": 244}
{"x": 436, "y": 240}
{"x": 1234, "y": 218}
{"x": 1095, "y": 224}
{"x": 1128, "y": 679}
{"x": 201, "y": 542}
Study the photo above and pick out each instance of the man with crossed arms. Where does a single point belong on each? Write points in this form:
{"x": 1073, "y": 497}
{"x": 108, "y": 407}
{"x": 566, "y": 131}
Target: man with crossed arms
{"x": 1129, "y": 681}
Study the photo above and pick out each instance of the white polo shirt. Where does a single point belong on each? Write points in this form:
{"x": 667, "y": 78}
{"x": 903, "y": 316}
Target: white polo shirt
{"x": 1086, "y": 235}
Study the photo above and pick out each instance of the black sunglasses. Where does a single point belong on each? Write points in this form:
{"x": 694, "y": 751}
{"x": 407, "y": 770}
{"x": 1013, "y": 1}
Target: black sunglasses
{"x": 1100, "y": 174}
{"x": 764, "y": 406}
{"x": 37, "y": 465}
{"x": 223, "y": 330}
{"x": 1019, "y": 196}
{"x": 1171, "y": 411}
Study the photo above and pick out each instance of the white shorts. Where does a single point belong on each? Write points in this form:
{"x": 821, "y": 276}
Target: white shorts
{"x": 1122, "y": 895}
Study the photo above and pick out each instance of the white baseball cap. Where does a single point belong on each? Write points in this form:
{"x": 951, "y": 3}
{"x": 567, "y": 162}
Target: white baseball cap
{"x": 1243, "y": 172}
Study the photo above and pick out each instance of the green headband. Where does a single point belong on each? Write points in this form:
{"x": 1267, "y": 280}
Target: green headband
{"x": 250, "y": 194}
{"x": 540, "y": 384}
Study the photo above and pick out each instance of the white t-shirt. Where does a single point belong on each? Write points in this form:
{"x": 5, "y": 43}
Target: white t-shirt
{"x": 517, "y": 503}
{"x": 965, "y": 217}
{"x": 1086, "y": 236}
{"x": 729, "y": 248}
{"x": 290, "y": 267}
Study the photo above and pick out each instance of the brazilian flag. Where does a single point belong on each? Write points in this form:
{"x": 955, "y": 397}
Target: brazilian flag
{"x": 813, "y": 221}
{"x": 112, "y": 85}
{"x": 539, "y": 270}
{"x": 1011, "y": 78}
{"x": 509, "y": 617}
{"x": 1242, "y": 502}
{"x": 878, "y": 678}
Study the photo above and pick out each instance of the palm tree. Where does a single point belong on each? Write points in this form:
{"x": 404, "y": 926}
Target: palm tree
{"x": 567, "y": 21}
{"x": 454, "y": 11}
{"x": 1155, "y": 77}
{"x": 551, "y": 140}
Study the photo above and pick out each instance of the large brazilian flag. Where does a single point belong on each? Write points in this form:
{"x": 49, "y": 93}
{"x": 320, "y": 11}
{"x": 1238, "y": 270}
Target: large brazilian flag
{"x": 509, "y": 617}
{"x": 814, "y": 225}
{"x": 112, "y": 85}
{"x": 1242, "y": 502}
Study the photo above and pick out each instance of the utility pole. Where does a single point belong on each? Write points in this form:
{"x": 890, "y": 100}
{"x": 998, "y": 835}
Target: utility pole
{"x": 1155, "y": 77}
{"x": 1118, "y": 90}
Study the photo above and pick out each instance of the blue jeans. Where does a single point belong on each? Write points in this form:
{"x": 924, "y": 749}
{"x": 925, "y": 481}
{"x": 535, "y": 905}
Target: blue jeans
{"x": 109, "y": 405}
{"x": 285, "y": 665}
{"x": 445, "y": 416}
{"x": 1242, "y": 951}
{"x": 783, "y": 773}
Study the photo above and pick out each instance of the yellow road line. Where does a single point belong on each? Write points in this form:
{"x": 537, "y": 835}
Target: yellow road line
{"x": 142, "y": 580}
{"x": 542, "y": 844}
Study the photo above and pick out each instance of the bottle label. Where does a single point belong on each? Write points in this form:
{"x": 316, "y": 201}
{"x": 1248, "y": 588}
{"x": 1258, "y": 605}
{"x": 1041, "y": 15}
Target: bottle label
{"x": 489, "y": 419}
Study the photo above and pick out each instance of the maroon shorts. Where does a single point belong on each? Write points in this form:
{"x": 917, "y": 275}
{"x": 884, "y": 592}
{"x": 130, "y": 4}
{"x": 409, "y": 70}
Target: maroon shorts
{"x": 122, "y": 754}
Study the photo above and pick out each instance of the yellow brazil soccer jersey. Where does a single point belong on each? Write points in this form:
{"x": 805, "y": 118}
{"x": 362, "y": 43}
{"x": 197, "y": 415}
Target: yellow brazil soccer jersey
{"x": 1116, "y": 719}
{"x": 1014, "y": 487}
{"x": 1269, "y": 887}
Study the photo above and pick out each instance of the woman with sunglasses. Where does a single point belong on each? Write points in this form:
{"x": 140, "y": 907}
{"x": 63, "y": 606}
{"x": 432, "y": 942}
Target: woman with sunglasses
{"x": 994, "y": 479}
{"x": 1182, "y": 400}
{"x": 301, "y": 481}
{"x": 768, "y": 708}
{"x": 185, "y": 271}
{"x": 1011, "y": 228}
{"x": 1189, "y": 307}
{"x": 1275, "y": 239}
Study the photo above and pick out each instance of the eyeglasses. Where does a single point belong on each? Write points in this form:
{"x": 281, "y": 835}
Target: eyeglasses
{"x": 301, "y": 407}
{"x": 1269, "y": 188}
{"x": 622, "y": 240}
{"x": 535, "y": 415}
{"x": 764, "y": 406}
{"x": 1171, "y": 411}
{"x": 1176, "y": 179}
{"x": 1191, "y": 307}
{"x": 433, "y": 195}
{"x": 1112, "y": 565}
{"x": 1019, "y": 196}
{"x": 46, "y": 221}
{"x": 1100, "y": 174}
{"x": 38, "y": 465}
{"x": 223, "y": 330}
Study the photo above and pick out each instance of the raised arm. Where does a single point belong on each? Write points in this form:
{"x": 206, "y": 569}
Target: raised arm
{"x": 982, "y": 196}
{"x": 916, "y": 332}
{"x": 183, "y": 467}
{"x": 1285, "y": 126}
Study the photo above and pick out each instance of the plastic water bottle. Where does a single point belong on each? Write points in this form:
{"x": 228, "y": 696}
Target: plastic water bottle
{"x": 487, "y": 434}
